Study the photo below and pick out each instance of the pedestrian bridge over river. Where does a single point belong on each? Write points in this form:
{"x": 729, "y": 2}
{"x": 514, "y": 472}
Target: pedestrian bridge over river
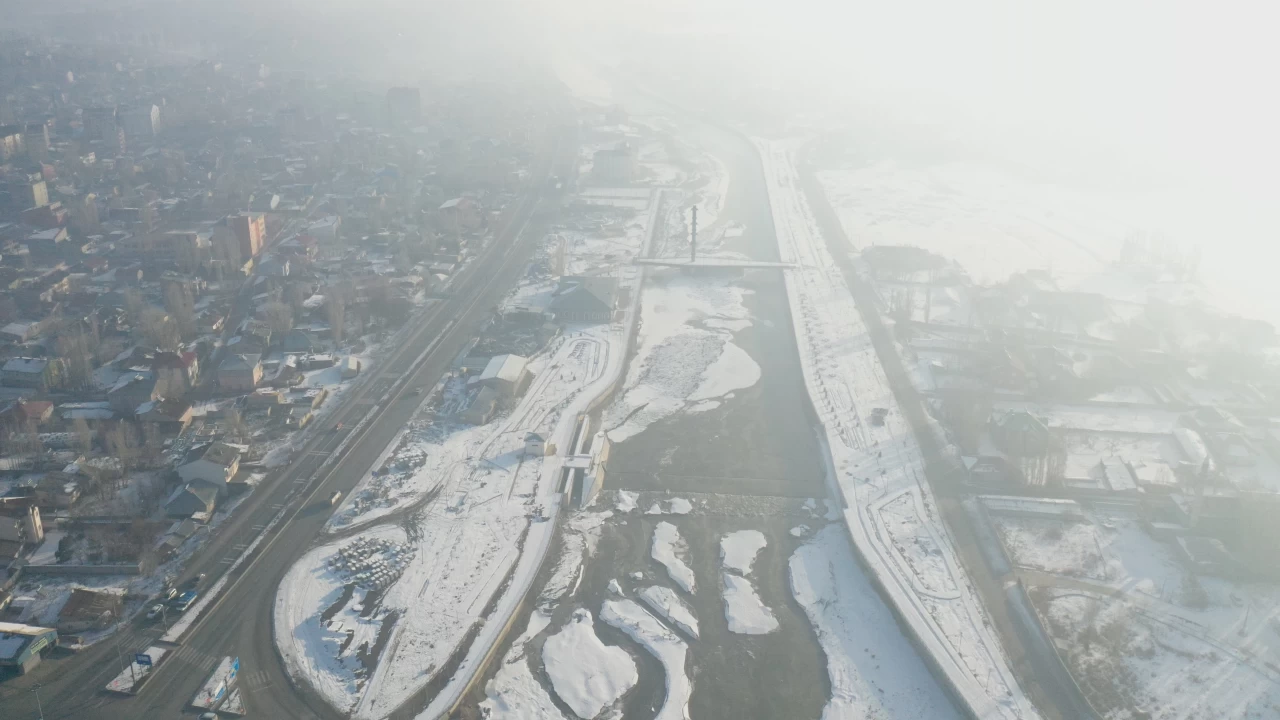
{"x": 715, "y": 263}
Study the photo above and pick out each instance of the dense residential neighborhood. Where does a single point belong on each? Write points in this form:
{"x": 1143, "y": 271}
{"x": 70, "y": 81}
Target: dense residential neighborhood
{"x": 197, "y": 258}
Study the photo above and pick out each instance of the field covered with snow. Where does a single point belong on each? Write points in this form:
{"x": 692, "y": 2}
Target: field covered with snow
{"x": 472, "y": 531}
{"x": 995, "y": 223}
{"x": 1140, "y": 632}
{"x": 874, "y": 670}
{"x": 878, "y": 471}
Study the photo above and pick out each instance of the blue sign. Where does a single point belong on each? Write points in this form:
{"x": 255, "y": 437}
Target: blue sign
{"x": 235, "y": 669}
{"x": 142, "y": 659}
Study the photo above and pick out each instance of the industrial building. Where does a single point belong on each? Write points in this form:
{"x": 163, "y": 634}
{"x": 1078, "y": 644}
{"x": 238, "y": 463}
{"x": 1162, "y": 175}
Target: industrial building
{"x": 508, "y": 375}
{"x": 23, "y": 646}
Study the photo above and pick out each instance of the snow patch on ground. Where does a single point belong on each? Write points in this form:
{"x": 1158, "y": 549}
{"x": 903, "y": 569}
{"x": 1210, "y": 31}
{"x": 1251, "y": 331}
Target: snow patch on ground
{"x": 631, "y": 618}
{"x": 738, "y": 550}
{"x": 587, "y": 674}
{"x": 325, "y": 649}
{"x": 685, "y": 356}
{"x": 627, "y": 501}
{"x": 514, "y": 693}
{"x": 667, "y": 603}
{"x": 733, "y": 370}
{"x": 668, "y": 546}
{"x": 874, "y": 670}
{"x": 675, "y": 506}
{"x": 743, "y": 609}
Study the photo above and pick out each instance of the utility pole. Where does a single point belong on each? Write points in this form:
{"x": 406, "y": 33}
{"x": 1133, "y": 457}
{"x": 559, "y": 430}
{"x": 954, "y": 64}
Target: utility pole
{"x": 693, "y": 238}
{"x": 121, "y": 656}
{"x": 39, "y": 708}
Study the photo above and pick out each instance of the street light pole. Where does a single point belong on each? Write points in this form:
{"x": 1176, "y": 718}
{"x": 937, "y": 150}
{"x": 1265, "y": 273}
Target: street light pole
{"x": 39, "y": 708}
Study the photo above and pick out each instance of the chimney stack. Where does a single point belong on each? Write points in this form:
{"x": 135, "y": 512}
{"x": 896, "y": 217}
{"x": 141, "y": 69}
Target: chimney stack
{"x": 693, "y": 238}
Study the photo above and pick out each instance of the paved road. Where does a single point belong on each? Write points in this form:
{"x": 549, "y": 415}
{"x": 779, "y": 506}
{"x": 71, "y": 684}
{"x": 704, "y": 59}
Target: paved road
{"x": 240, "y": 622}
{"x": 1035, "y": 660}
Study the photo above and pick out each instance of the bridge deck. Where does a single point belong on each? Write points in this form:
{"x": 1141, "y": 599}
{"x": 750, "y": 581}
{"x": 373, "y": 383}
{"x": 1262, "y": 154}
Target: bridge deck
{"x": 713, "y": 262}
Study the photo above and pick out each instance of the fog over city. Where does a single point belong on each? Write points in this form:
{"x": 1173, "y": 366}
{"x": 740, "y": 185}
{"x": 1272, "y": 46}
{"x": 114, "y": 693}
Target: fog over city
{"x": 597, "y": 359}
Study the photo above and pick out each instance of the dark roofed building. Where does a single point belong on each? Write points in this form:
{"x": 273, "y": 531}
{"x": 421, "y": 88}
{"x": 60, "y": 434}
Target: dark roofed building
{"x": 23, "y": 646}
{"x": 585, "y": 299}
{"x": 89, "y": 610}
{"x": 191, "y": 499}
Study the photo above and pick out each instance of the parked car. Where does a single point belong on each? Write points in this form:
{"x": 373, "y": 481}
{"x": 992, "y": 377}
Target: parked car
{"x": 185, "y": 600}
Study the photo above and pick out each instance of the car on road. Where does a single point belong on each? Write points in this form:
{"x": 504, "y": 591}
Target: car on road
{"x": 155, "y": 611}
{"x": 209, "y": 716}
{"x": 335, "y": 497}
{"x": 337, "y": 427}
{"x": 416, "y": 391}
{"x": 194, "y": 582}
{"x": 184, "y": 601}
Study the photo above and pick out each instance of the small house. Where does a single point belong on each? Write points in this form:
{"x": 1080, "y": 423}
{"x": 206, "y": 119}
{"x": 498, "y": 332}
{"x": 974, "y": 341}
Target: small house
{"x": 27, "y": 372}
{"x": 88, "y": 610}
{"x": 240, "y": 373}
{"x": 168, "y": 415}
{"x": 191, "y": 500}
{"x": 214, "y": 464}
{"x": 350, "y": 367}
{"x": 133, "y": 389}
{"x": 482, "y": 408}
{"x": 21, "y": 524}
{"x": 177, "y": 371}
{"x": 507, "y": 374}
{"x": 534, "y": 445}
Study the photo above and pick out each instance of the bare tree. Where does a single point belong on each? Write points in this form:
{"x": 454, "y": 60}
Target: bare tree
{"x": 186, "y": 257}
{"x": 234, "y": 424}
{"x": 21, "y": 439}
{"x": 279, "y": 318}
{"x": 335, "y": 305}
{"x": 296, "y": 294}
{"x": 84, "y": 435}
{"x": 225, "y": 248}
{"x": 158, "y": 328}
{"x": 181, "y": 307}
{"x": 133, "y": 304}
{"x": 73, "y": 350}
{"x": 122, "y": 443}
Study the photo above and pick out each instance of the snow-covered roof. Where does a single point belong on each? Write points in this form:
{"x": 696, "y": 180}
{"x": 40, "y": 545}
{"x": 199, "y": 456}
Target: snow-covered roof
{"x": 504, "y": 367}
{"x": 34, "y": 366}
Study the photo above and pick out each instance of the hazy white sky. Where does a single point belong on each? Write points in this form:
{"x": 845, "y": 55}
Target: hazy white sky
{"x": 1193, "y": 79}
